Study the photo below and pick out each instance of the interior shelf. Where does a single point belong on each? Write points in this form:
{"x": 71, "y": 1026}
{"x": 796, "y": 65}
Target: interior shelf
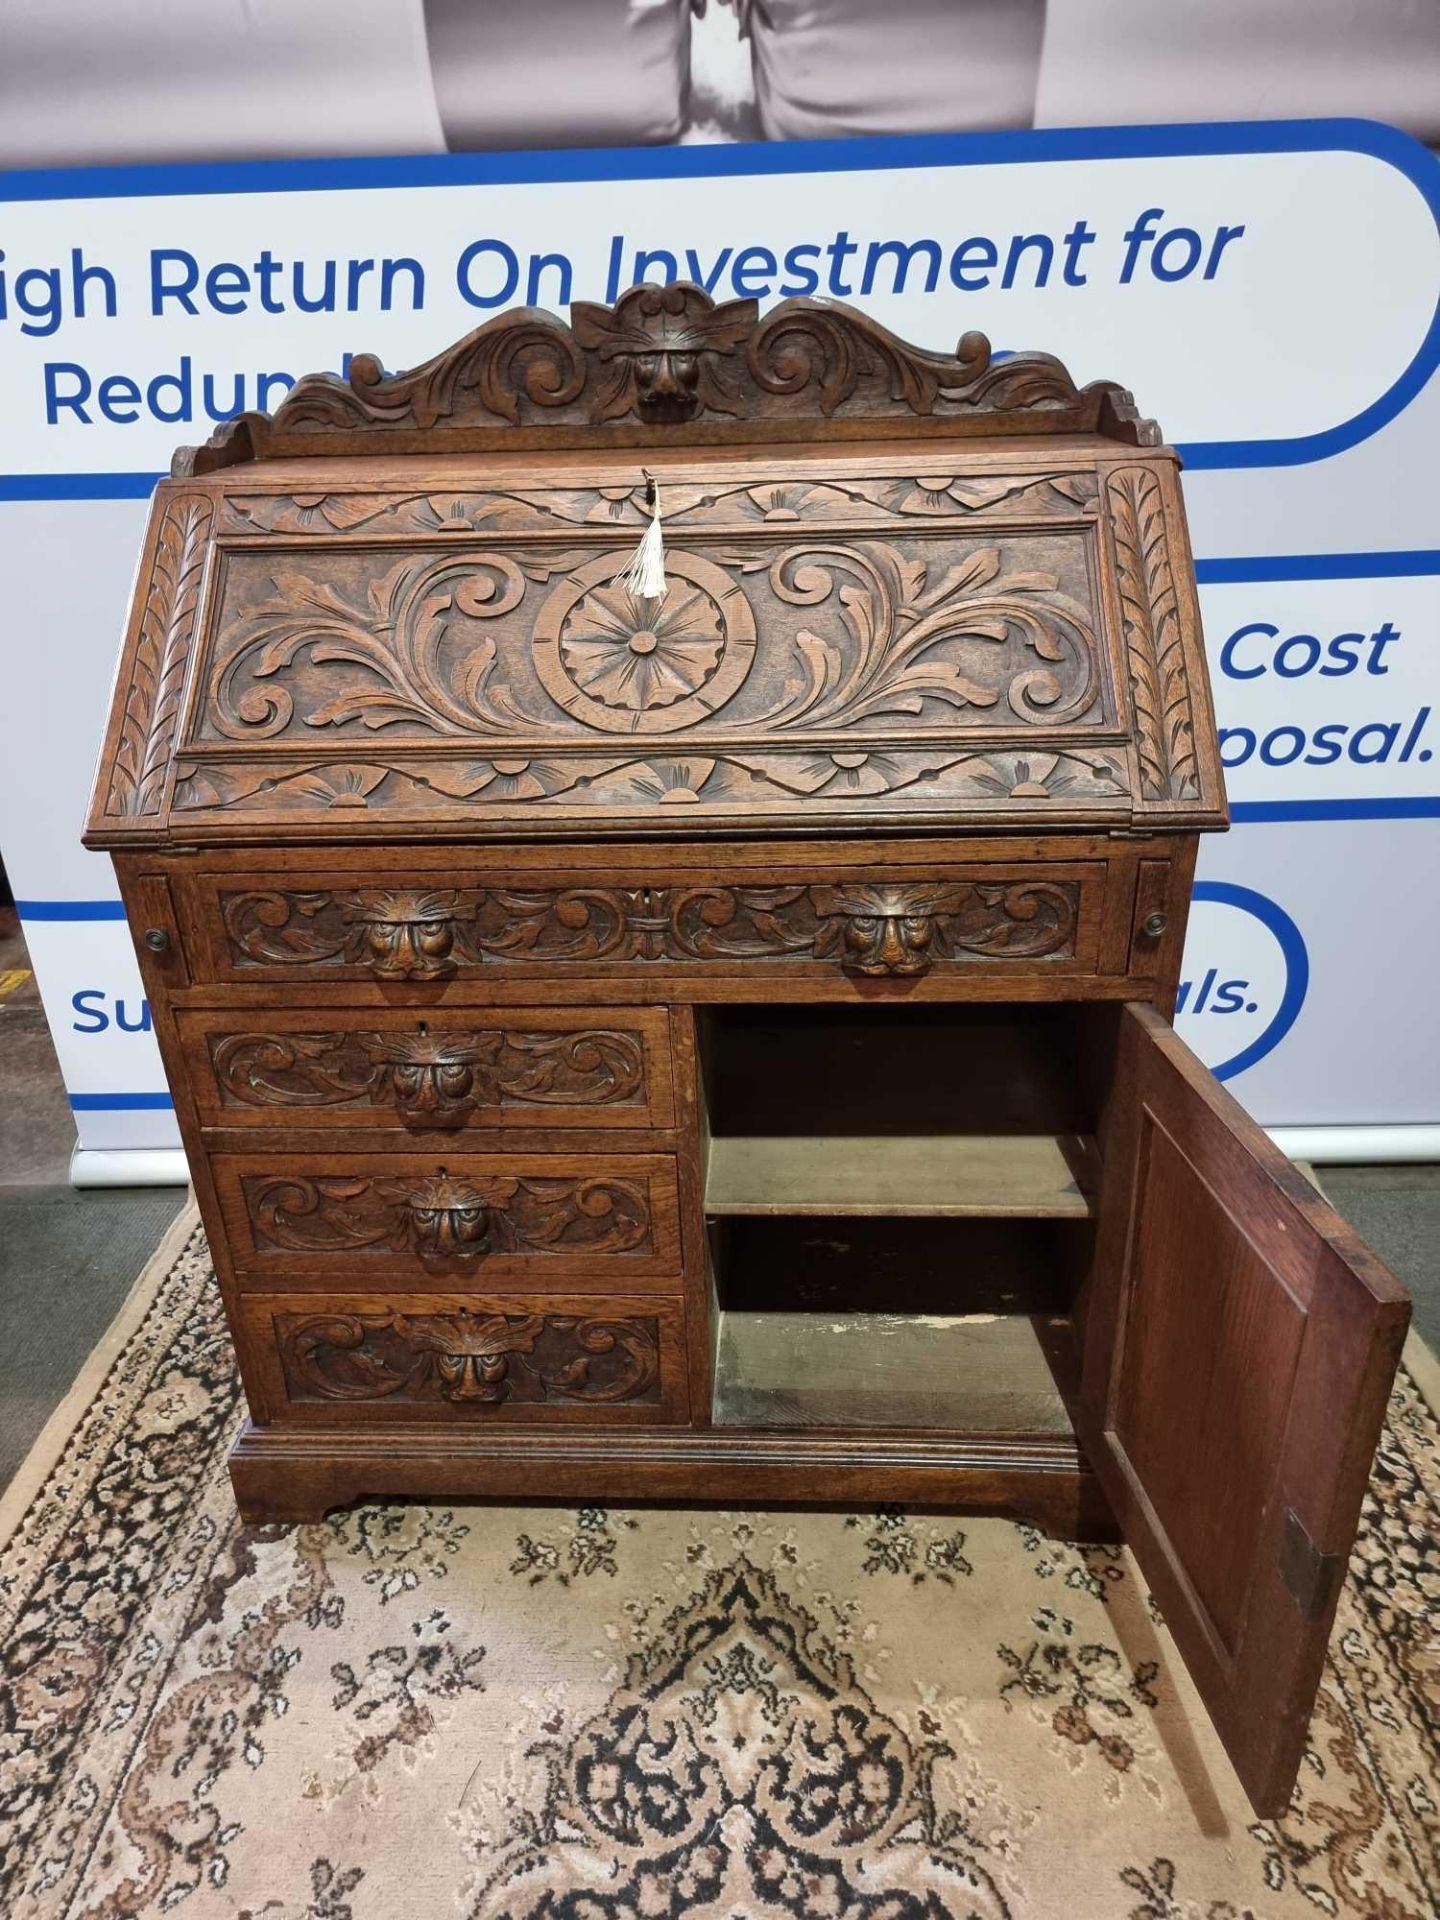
{"x": 1041, "y": 1175}
{"x": 975, "y": 1334}
{"x": 900, "y": 1211}
{"x": 978, "y": 1373}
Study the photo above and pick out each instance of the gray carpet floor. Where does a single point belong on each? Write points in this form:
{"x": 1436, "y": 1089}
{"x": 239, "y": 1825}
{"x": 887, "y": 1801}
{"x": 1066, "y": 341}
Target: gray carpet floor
{"x": 1397, "y": 1209}
{"x": 67, "y": 1260}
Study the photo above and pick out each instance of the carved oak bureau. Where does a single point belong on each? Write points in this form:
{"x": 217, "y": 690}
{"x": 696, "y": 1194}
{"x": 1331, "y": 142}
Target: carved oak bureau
{"x": 715, "y": 1044}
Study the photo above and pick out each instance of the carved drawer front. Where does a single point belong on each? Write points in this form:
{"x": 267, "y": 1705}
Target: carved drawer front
{"x": 383, "y": 1069}
{"x": 548, "y": 1219}
{"x": 828, "y": 925}
{"x": 490, "y": 1358}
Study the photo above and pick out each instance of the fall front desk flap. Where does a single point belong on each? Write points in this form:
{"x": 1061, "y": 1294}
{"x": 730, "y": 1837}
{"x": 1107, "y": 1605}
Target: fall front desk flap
{"x": 903, "y": 589}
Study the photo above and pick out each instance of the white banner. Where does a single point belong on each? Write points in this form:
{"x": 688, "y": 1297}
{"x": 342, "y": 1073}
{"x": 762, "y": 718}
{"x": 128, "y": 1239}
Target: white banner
{"x": 130, "y": 323}
{"x": 100, "y": 1021}
{"x": 1326, "y": 689}
{"x": 1296, "y": 988}
{"x": 1269, "y": 292}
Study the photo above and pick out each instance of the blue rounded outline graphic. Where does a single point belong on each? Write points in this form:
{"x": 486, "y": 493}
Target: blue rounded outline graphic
{"x": 1388, "y": 144}
{"x": 1223, "y": 893}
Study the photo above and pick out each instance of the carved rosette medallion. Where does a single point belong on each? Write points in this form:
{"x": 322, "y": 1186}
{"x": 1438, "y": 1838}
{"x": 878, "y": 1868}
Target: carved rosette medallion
{"x": 477, "y": 1358}
{"x": 626, "y": 665}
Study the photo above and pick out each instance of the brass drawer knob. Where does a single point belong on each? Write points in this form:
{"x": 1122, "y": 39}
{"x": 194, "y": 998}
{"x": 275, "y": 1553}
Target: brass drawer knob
{"x": 157, "y": 939}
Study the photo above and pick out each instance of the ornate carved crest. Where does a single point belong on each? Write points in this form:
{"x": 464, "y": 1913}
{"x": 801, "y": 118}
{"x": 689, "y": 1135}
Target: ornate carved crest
{"x": 666, "y": 350}
{"x": 662, "y": 359}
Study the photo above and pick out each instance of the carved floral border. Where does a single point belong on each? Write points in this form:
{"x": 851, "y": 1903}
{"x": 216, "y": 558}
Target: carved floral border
{"x": 920, "y": 494}
{"x": 702, "y": 783}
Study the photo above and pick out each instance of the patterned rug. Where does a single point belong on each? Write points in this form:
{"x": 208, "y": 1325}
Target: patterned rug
{"x": 524, "y": 1712}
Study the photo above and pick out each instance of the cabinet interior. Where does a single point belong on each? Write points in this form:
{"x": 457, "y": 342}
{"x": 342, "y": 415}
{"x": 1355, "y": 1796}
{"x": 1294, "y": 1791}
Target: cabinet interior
{"x": 899, "y": 1205}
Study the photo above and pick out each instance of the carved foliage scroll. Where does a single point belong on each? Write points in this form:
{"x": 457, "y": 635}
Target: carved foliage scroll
{"x": 862, "y": 637}
{"x": 905, "y": 615}
{"x": 444, "y": 1217}
{"x": 863, "y": 926}
{"x": 1159, "y": 681}
{"x": 152, "y": 704}
{"x": 429, "y": 1078}
{"x": 381, "y": 656}
{"x": 473, "y": 1357}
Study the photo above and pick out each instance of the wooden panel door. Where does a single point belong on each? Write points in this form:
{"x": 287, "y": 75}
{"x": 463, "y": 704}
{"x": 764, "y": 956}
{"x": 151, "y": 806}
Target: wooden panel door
{"x": 1239, "y": 1347}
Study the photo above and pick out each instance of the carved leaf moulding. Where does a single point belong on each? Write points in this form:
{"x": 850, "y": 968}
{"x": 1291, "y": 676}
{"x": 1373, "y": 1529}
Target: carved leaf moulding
{"x": 700, "y": 784}
{"x": 773, "y": 502}
{"x": 1155, "y": 650}
{"x": 864, "y": 926}
{"x": 472, "y": 1356}
{"x": 152, "y": 706}
{"x": 661, "y": 360}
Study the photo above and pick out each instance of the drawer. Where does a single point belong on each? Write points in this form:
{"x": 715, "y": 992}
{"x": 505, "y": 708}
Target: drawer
{"x": 544, "y": 1219}
{"x": 781, "y": 923}
{"x": 388, "y": 1070}
{"x": 493, "y": 1357}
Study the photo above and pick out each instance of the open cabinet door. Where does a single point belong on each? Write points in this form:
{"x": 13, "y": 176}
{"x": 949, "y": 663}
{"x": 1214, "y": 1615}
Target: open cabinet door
{"x": 1239, "y": 1345}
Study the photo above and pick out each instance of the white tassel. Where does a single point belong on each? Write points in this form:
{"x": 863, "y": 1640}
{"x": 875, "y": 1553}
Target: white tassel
{"x": 644, "y": 577}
